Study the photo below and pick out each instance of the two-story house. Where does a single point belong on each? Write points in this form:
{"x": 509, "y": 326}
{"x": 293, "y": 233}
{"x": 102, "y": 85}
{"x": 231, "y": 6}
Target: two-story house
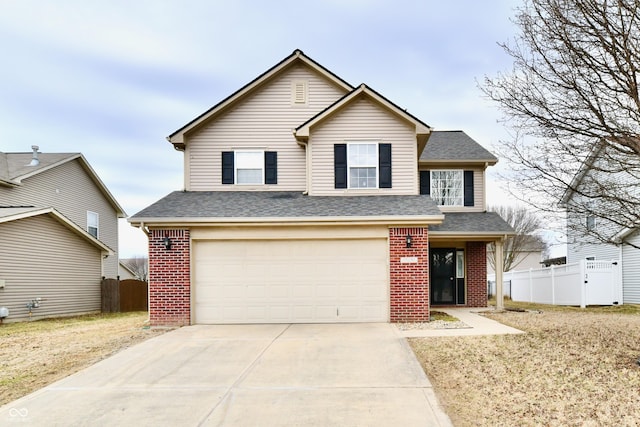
{"x": 598, "y": 189}
{"x": 307, "y": 199}
{"x": 59, "y": 226}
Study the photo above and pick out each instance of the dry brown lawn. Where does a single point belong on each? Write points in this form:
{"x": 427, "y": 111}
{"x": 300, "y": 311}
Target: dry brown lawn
{"x": 34, "y": 354}
{"x": 573, "y": 367}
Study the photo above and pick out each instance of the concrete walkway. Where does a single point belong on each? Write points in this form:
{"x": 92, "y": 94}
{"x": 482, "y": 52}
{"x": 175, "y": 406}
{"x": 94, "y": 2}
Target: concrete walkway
{"x": 245, "y": 375}
{"x": 477, "y": 325}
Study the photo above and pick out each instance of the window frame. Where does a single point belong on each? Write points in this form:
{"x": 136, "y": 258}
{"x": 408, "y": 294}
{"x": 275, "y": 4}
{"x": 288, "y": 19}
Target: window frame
{"x": 90, "y": 215}
{"x": 375, "y": 165}
{"x": 459, "y": 172}
{"x": 236, "y": 166}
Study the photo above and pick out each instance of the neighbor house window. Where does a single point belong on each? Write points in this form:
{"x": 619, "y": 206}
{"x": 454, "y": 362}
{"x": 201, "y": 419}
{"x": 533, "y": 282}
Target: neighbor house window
{"x": 363, "y": 165}
{"x": 447, "y": 187}
{"x": 591, "y": 222}
{"x": 92, "y": 223}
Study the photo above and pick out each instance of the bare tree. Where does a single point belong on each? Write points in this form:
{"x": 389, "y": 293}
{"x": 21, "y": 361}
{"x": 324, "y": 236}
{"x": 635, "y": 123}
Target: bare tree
{"x": 139, "y": 265}
{"x": 572, "y": 97}
{"x": 525, "y": 223}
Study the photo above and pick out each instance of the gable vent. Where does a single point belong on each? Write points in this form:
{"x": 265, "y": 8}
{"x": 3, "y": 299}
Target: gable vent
{"x": 299, "y": 89}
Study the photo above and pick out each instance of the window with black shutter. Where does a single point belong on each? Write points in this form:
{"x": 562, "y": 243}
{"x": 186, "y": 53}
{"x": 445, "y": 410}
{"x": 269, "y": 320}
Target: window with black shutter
{"x": 340, "y": 165}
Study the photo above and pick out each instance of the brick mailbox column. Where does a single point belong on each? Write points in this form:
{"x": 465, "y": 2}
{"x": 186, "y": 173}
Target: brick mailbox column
{"x": 169, "y": 278}
{"x": 409, "y": 275}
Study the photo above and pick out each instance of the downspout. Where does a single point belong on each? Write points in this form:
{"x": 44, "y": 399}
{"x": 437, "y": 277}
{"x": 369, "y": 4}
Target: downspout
{"x": 307, "y": 172}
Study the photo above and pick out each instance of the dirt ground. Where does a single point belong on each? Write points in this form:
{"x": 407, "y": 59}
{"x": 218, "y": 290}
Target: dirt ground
{"x": 572, "y": 368}
{"x": 34, "y": 354}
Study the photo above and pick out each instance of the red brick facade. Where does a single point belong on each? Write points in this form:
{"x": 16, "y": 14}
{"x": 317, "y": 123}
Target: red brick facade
{"x": 169, "y": 278}
{"x": 409, "y": 275}
{"x": 476, "y": 274}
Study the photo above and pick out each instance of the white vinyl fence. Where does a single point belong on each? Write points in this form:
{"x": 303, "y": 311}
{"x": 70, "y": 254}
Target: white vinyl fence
{"x": 582, "y": 283}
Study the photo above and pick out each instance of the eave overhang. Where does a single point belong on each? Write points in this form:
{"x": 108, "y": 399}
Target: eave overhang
{"x": 407, "y": 221}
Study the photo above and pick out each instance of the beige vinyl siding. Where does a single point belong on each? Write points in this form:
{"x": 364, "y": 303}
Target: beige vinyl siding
{"x": 264, "y": 121}
{"x": 69, "y": 190}
{"x": 479, "y": 185}
{"x": 41, "y": 258}
{"x": 363, "y": 121}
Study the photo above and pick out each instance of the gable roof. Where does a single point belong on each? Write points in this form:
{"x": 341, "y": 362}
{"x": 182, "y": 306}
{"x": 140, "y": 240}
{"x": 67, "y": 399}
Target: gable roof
{"x": 455, "y": 146}
{"x": 177, "y": 137}
{"x": 582, "y": 172}
{"x": 17, "y": 213}
{"x": 422, "y": 130}
{"x": 286, "y": 207}
{"x": 15, "y": 167}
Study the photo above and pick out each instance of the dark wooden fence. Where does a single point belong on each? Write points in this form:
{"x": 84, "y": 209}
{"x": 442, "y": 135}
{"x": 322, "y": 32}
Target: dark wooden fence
{"x": 124, "y": 295}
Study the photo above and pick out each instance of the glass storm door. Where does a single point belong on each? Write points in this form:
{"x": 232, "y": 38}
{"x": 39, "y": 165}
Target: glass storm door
{"x": 443, "y": 276}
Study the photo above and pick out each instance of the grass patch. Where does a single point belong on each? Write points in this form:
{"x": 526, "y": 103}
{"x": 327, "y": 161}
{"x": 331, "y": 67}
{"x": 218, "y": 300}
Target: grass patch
{"x": 440, "y": 315}
{"x": 35, "y": 354}
{"x": 572, "y": 367}
{"x": 614, "y": 309}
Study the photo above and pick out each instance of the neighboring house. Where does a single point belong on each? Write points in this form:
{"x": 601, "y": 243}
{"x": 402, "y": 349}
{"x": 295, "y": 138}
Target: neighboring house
{"x": 125, "y": 272}
{"x": 307, "y": 200}
{"x": 593, "y": 237}
{"x": 58, "y": 224}
{"x": 530, "y": 255}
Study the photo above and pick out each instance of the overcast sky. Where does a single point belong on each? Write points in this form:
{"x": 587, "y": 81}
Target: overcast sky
{"x": 112, "y": 79}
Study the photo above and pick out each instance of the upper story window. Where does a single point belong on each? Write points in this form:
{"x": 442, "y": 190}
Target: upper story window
{"x": 452, "y": 187}
{"x": 249, "y": 167}
{"x": 591, "y": 223}
{"x": 92, "y": 223}
{"x": 362, "y": 165}
{"x": 447, "y": 187}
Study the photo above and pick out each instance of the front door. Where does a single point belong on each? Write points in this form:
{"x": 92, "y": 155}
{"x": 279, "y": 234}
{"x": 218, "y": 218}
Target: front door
{"x": 443, "y": 276}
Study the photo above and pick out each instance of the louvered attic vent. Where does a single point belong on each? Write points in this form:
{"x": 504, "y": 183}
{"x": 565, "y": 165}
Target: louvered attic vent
{"x": 299, "y": 88}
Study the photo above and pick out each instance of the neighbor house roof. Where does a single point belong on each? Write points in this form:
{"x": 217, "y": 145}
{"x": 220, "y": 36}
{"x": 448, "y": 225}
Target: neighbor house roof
{"x": 286, "y": 207}
{"x": 177, "y": 137}
{"x": 470, "y": 224}
{"x": 16, "y": 167}
{"x": 16, "y": 213}
{"x": 455, "y": 146}
{"x": 422, "y": 130}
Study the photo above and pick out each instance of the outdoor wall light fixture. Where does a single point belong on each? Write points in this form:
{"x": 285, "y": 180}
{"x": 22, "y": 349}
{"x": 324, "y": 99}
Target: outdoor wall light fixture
{"x": 166, "y": 242}
{"x": 409, "y": 240}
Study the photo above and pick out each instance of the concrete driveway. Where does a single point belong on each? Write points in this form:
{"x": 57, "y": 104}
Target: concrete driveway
{"x": 245, "y": 375}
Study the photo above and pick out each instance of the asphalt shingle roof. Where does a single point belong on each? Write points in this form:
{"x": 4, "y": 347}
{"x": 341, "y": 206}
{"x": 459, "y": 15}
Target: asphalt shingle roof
{"x": 280, "y": 204}
{"x": 454, "y": 145}
{"x": 15, "y": 165}
{"x": 473, "y": 222}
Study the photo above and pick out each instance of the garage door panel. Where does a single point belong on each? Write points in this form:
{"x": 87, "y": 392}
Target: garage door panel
{"x": 275, "y": 281}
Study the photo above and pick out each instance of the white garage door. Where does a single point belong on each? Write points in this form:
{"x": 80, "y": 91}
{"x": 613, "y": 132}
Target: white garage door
{"x": 292, "y": 281}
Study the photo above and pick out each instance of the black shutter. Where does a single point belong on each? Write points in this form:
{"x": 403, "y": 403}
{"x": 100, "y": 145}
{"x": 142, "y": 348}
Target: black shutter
{"x": 227, "y": 167}
{"x": 340, "y": 165}
{"x": 425, "y": 182}
{"x": 468, "y": 188}
{"x": 270, "y": 167}
{"x": 384, "y": 165}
